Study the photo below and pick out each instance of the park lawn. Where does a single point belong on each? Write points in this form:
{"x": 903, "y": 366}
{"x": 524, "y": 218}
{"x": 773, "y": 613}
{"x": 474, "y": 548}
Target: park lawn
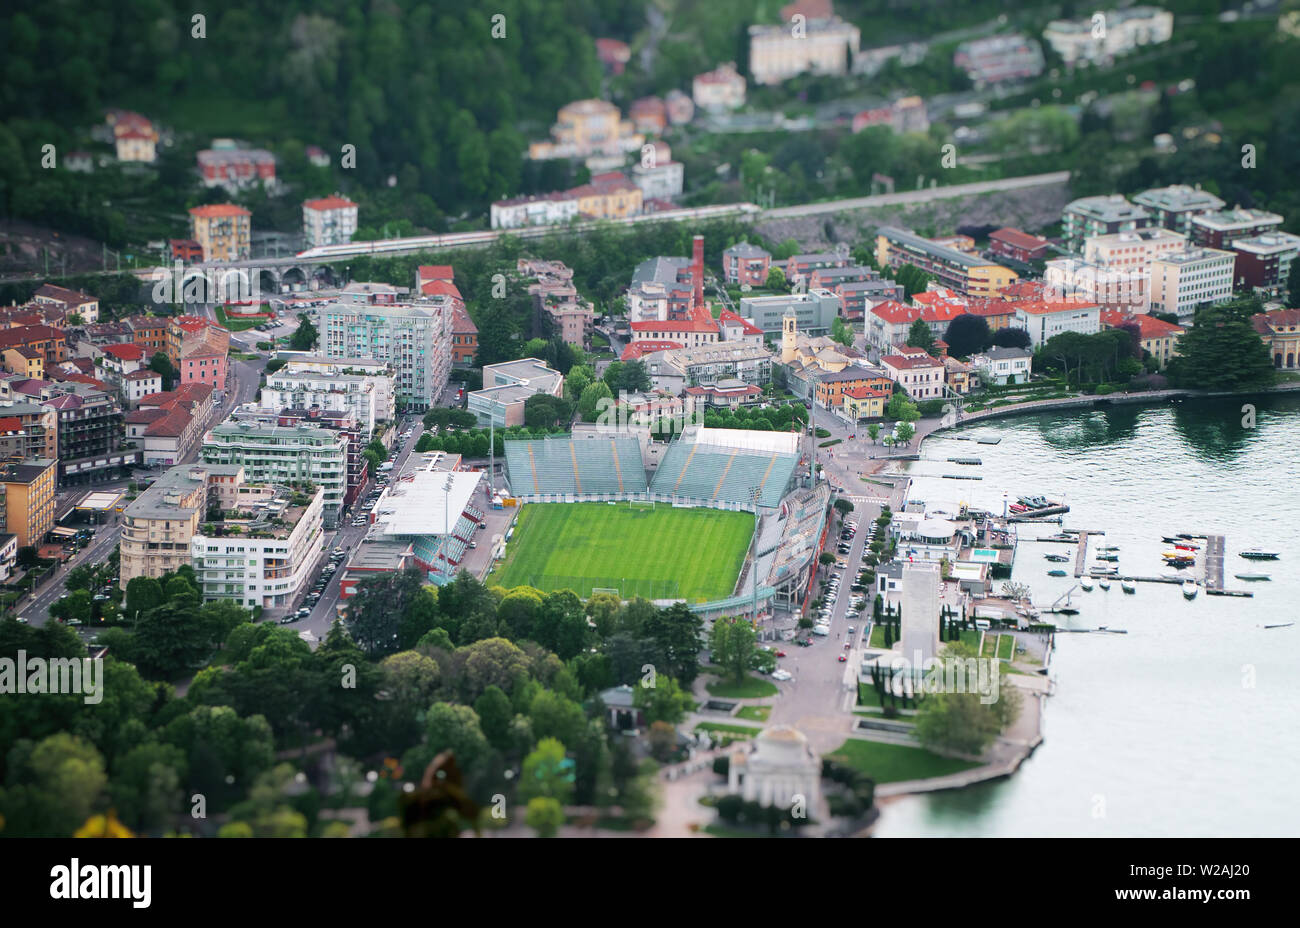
{"x": 238, "y": 325}
{"x": 971, "y": 636}
{"x": 891, "y": 763}
{"x": 878, "y": 637}
{"x": 742, "y": 730}
{"x": 1006, "y": 647}
{"x": 748, "y": 688}
{"x": 661, "y": 553}
{"x": 754, "y": 713}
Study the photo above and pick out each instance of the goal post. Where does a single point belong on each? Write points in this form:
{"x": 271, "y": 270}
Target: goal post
{"x": 641, "y": 504}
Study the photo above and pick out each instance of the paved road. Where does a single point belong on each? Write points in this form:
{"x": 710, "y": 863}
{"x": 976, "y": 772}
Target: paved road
{"x": 317, "y": 625}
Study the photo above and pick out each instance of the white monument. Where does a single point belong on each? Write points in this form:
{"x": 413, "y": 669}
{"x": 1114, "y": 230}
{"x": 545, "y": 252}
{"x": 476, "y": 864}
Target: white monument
{"x": 776, "y": 769}
{"x": 920, "y": 625}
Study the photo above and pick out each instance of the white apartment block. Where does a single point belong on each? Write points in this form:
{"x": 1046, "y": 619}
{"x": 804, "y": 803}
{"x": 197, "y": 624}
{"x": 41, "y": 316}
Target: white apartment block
{"x": 1045, "y": 318}
{"x": 413, "y": 338}
{"x": 378, "y": 373}
{"x": 159, "y": 525}
{"x": 263, "y": 557}
{"x": 1110, "y": 288}
{"x": 541, "y": 209}
{"x": 1180, "y": 283}
{"x": 826, "y": 46}
{"x": 350, "y": 393}
{"x": 1116, "y": 33}
{"x": 1132, "y": 250}
{"x": 329, "y": 221}
{"x": 662, "y": 181}
{"x": 293, "y": 455}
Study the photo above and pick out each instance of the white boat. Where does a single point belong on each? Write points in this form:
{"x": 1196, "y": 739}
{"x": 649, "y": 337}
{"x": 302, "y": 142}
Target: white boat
{"x": 1128, "y": 586}
{"x": 1104, "y": 583}
{"x": 1252, "y": 575}
{"x": 1190, "y": 589}
{"x": 1086, "y": 583}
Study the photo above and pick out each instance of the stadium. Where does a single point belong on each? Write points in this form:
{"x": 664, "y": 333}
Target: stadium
{"x": 718, "y": 518}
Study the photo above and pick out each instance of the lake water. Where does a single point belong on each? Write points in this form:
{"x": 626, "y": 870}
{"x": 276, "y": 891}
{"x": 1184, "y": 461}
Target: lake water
{"x": 1187, "y": 725}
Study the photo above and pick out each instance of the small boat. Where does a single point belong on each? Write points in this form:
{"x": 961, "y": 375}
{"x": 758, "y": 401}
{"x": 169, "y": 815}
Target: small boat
{"x": 1280, "y": 625}
{"x": 1170, "y": 539}
{"x": 1109, "y": 549}
{"x": 1056, "y": 573}
{"x": 1128, "y": 586}
{"x": 1185, "y": 536}
{"x": 1259, "y": 554}
{"x": 1104, "y": 583}
{"x": 1190, "y": 589}
{"x": 1086, "y": 583}
{"x": 1017, "y": 507}
{"x": 1067, "y": 610}
{"x": 1110, "y": 558}
{"x": 1252, "y": 575}
{"x": 1187, "y": 547}
{"x": 1057, "y": 558}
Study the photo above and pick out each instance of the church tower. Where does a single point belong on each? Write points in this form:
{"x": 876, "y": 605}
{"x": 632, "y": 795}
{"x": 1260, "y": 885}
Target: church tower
{"x": 789, "y": 336}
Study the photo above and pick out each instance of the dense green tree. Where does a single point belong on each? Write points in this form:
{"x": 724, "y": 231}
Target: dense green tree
{"x": 967, "y": 335}
{"x": 732, "y": 642}
{"x": 1220, "y": 352}
{"x": 1011, "y": 338}
{"x": 920, "y": 336}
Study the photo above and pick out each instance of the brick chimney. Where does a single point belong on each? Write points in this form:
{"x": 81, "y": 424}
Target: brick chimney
{"x": 697, "y": 272}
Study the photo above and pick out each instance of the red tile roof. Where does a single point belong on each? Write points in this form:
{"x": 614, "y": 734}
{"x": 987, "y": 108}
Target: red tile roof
{"x": 1046, "y": 307}
{"x": 125, "y": 352}
{"x": 219, "y": 210}
{"x": 675, "y": 325}
{"x": 11, "y": 424}
{"x": 436, "y": 272}
{"x": 749, "y": 327}
{"x": 1264, "y": 322}
{"x": 328, "y": 203}
{"x": 861, "y": 393}
{"x": 1148, "y": 326}
{"x": 901, "y": 363}
{"x": 637, "y": 350}
{"x": 441, "y": 288}
{"x": 1017, "y": 239}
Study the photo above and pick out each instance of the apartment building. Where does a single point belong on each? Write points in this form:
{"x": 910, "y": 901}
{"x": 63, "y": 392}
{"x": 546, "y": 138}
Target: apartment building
{"x": 329, "y": 221}
{"x": 1132, "y": 251}
{"x": 351, "y": 393}
{"x": 814, "y": 311}
{"x": 39, "y": 424}
{"x": 1104, "y": 215}
{"x": 50, "y": 342}
{"x": 1043, "y": 319}
{"x": 1079, "y": 41}
{"x": 964, "y": 273}
{"x": 294, "y": 456}
{"x": 235, "y": 168}
{"x": 27, "y": 498}
{"x": 1017, "y": 245}
{"x": 608, "y": 196}
{"x": 378, "y": 373}
{"x": 90, "y": 434}
{"x": 224, "y": 231}
{"x": 819, "y": 46}
{"x": 887, "y": 324}
{"x": 744, "y": 263}
{"x": 464, "y": 337}
{"x": 539, "y": 209}
{"x": 1264, "y": 262}
{"x": 1112, "y": 288}
{"x": 587, "y": 128}
{"x": 266, "y": 553}
{"x": 72, "y": 302}
{"x": 676, "y": 369}
{"x": 413, "y": 338}
{"x": 657, "y": 175}
{"x": 1182, "y": 282}
{"x": 1221, "y": 229}
{"x": 1175, "y": 206}
{"x": 999, "y": 58}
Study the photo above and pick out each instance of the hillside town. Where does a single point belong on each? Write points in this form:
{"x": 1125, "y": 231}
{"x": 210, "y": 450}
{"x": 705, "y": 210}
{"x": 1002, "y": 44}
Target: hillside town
{"x": 649, "y": 448}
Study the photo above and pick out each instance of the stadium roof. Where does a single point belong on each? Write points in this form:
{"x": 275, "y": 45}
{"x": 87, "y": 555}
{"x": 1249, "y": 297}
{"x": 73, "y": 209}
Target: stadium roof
{"x": 419, "y": 504}
{"x": 768, "y": 442}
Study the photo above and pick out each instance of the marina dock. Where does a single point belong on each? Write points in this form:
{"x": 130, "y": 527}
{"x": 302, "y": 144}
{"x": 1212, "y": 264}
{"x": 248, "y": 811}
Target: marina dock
{"x": 1081, "y": 552}
{"x": 1214, "y": 545}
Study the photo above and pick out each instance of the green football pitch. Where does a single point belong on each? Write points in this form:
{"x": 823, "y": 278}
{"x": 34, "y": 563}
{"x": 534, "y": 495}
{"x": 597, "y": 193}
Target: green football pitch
{"x": 660, "y": 553}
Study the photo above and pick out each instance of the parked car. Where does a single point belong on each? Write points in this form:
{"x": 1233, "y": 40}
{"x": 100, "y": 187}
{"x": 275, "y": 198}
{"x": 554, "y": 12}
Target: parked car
{"x": 782, "y": 675}
{"x": 842, "y": 659}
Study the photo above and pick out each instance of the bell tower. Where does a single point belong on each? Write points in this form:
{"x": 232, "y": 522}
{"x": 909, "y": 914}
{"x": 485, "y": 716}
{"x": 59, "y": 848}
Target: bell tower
{"x": 789, "y": 336}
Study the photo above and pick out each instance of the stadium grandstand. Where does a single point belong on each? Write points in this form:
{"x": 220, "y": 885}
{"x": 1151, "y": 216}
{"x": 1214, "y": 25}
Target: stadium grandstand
{"x": 720, "y": 467}
{"x": 550, "y": 469}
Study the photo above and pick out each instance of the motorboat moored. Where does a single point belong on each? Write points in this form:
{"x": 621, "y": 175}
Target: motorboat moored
{"x": 1086, "y": 584}
{"x": 1104, "y": 583}
{"x": 1128, "y": 586}
{"x": 1260, "y": 554}
{"x": 1190, "y": 589}
{"x": 1056, "y": 573}
{"x": 1252, "y": 575}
